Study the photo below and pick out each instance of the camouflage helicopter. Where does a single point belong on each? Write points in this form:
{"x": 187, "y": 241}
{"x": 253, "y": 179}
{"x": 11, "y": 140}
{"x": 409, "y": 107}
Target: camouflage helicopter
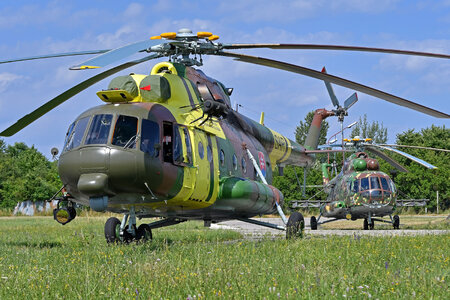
{"x": 168, "y": 144}
{"x": 360, "y": 190}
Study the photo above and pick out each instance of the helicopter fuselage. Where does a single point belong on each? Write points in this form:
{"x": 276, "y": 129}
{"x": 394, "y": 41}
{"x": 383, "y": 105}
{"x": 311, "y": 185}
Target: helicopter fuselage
{"x": 359, "y": 191}
{"x": 156, "y": 153}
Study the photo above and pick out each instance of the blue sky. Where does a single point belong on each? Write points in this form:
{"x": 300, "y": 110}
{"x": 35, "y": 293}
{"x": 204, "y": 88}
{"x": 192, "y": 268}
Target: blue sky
{"x": 31, "y": 28}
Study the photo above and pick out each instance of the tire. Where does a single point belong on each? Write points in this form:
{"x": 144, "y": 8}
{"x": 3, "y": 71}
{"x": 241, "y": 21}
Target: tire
{"x": 313, "y": 223}
{"x": 144, "y": 233}
{"x": 396, "y": 223}
{"x": 365, "y": 224}
{"x": 112, "y": 227}
{"x": 372, "y": 225}
{"x": 295, "y": 226}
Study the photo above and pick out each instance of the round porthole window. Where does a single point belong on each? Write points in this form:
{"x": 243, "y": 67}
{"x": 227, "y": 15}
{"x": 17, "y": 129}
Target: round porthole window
{"x": 234, "y": 162}
{"x": 201, "y": 151}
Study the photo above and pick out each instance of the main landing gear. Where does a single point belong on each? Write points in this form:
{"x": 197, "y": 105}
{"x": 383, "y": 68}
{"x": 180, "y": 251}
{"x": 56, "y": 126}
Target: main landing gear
{"x": 369, "y": 223}
{"x": 121, "y": 232}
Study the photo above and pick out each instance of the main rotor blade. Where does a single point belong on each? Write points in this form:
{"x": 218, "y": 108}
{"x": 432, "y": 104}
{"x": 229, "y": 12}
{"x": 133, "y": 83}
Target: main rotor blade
{"x": 415, "y": 147}
{"x": 409, "y": 156}
{"x": 336, "y": 80}
{"x": 116, "y": 54}
{"x": 330, "y": 90}
{"x": 350, "y": 101}
{"x": 40, "y": 111}
{"x": 54, "y": 55}
{"x": 387, "y": 158}
{"x": 334, "y": 47}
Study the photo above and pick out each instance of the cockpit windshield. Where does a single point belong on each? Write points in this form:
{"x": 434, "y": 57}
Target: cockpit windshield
{"x": 125, "y": 132}
{"x": 99, "y": 130}
{"x": 373, "y": 186}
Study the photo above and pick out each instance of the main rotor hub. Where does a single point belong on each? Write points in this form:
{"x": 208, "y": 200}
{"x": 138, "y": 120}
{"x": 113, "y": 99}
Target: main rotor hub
{"x": 185, "y": 43}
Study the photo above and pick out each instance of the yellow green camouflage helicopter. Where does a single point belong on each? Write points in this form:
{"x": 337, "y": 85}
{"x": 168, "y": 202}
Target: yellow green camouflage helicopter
{"x": 168, "y": 144}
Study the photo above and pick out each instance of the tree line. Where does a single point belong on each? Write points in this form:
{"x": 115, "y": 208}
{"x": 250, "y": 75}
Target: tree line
{"x": 26, "y": 174}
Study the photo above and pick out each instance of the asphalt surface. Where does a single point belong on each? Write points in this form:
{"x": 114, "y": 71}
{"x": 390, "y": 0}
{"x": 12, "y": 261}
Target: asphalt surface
{"x": 255, "y": 231}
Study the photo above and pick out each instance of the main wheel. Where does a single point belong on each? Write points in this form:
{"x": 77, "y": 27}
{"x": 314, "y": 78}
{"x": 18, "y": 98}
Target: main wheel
{"x": 144, "y": 233}
{"x": 313, "y": 223}
{"x": 295, "y": 226}
{"x": 365, "y": 224}
{"x": 372, "y": 225}
{"x": 112, "y": 229}
{"x": 396, "y": 222}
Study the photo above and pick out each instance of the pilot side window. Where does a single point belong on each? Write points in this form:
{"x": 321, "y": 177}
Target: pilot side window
{"x": 125, "y": 132}
{"x": 99, "y": 130}
{"x": 384, "y": 184}
{"x": 68, "y": 135}
{"x": 150, "y": 137}
{"x": 77, "y": 135}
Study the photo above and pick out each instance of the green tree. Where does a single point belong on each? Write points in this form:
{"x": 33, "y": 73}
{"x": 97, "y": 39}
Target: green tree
{"x": 422, "y": 183}
{"x": 301, "y": 131}
{"x": 26, "y": 174}
{"x": 375, "y": 131}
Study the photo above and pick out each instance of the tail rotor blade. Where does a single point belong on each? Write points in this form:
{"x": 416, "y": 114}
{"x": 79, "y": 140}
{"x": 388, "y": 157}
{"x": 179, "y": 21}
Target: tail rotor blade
{"x": 330, "y": 90}
{"x": 350, "y": 101}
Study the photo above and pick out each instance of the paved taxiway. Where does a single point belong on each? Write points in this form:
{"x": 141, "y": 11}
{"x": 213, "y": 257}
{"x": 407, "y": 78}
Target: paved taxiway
{"x": 251, "y": 230}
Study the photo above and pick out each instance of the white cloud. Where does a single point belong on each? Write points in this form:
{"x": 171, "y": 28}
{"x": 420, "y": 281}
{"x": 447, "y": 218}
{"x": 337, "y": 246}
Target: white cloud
{"x": 7, "y": 79}
{"x": 133, "y": 10}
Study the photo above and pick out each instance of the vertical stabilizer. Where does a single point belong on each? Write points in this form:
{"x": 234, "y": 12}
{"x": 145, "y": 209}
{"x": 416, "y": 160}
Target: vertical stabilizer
{"x": 312, "y": 140}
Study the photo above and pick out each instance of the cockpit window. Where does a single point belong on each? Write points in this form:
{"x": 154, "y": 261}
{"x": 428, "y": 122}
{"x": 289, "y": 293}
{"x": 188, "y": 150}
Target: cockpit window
{"x": 125, "y": 132}
{"x": 374, "y": 183}
{"x": 74, "y": 140}
{"x": 356, "y": 186}
{"x": 68, "y": 135}
{"x": 364, "y": 184}
{"x": 150, "y": 137}
{"x": 384, "y": 184}
{"x": 99, "y": 130}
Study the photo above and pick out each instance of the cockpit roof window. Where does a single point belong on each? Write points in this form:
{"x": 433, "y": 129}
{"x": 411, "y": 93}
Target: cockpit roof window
{"x": 125, "y": 132}
{"x": 99, "y": 130}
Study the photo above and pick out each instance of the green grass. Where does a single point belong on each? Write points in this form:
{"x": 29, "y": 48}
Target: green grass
{"x": 42, "y": 259}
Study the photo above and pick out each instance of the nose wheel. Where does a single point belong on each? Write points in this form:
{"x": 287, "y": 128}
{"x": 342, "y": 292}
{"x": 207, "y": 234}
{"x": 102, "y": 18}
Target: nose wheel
{"x": 368, "y": 225}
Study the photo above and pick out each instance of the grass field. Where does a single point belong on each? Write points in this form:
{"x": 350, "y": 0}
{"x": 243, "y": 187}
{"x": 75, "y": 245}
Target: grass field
{"x": 42, "y": 259}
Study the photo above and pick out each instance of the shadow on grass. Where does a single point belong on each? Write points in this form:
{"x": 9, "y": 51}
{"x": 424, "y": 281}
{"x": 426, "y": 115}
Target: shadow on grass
{"x": 37, "y": 245}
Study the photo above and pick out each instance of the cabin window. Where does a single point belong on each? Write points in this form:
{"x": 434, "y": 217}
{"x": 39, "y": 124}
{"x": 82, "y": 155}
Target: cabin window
{"x": 235, "y": 164}
{"x": 201, "y": 151}
{"x": 209, "y": 153}
{"x": 77, "y": 134}
{"x": 244, "y": 166}
{"x": 99, "y": 130}
{"x": 222, "y": 158}
{"x": 384, "y": 184}
{"x": 125, "y": 132}
{"x": 364, "y": 184}
{"x": 150, "y": 137}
